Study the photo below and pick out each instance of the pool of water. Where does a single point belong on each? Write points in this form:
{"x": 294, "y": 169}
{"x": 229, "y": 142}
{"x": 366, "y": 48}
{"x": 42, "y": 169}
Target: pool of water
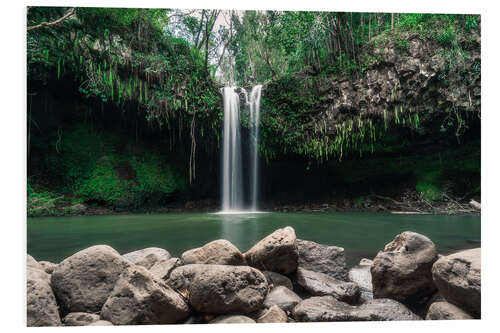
{"x": 360, "y": 234}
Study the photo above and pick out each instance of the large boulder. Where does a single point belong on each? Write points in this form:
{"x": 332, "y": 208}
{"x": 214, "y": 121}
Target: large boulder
{"x": 218, "y": 252}
{"x": 458, "y": 278}
{"x": 361, "y": 275}
{"x": 276, "y": 279}
{"x": 446, "y": 311}
{"x": 277, "y": 252}
{"x": 48, "y": 266}
{"x": 80, "y": 319}
{"x": 100, "y": 323}
{"x": 41, "y": 306}
{"x": 402, "y": 271}
{"x": 272, "y": 315}
{"x": 162, "y": 269}
{"x": 83, "y": 281}
{"x": 221, "y": 289}
{"x": 327, "y": 308}
{"x": 35, "y": 271}
{"x": 282, "y": 297}
{"x": 147, "y": 257}
{"x": 319, "y": 284}
{"x": 320, "y": 258}
{"x": 140, "y": 299}
{"x": 232, "y": 319}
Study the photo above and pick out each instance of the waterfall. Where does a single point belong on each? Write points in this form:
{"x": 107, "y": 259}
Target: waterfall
{"x": 254, "y": 144}
{"x": 231, "y": 153}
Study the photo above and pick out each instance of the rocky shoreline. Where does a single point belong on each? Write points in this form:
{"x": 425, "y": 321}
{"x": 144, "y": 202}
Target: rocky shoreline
{"x": 280, "y": 279}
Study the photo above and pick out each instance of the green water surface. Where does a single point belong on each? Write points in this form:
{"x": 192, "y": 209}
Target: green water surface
{"x": 360, "y": 234}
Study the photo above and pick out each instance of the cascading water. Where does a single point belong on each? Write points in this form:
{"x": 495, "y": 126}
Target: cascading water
{"x": 254, "y": 144}
{"x": 232, "y": 183}
{"x": 232, "y": 176}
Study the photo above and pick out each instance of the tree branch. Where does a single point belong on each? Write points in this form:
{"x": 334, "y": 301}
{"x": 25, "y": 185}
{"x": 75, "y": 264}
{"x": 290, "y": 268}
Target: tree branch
{"x": 68, "y": 14}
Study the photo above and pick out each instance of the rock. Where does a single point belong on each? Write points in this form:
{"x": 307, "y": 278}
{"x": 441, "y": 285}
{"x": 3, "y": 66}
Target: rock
{"x": 319, "y": 284}
{"x": 446, "y": 311}
{"x": 147, "y": 257}
{"x": 458, "y": 278}
{"x": 194, "y": 319}
{"x": 276, "y": 252}
{"x": 362, "y": 276}
{"x": 475, "y": 204}
{"x": 320, "y": 258}
{"x": 220, "y": 289}
{"x": 140, "y": 299}
{"x": 402, "y": 271}
{"x": 35, "y": 271}
{"x": 282, "y": 297}
{"x": 327, "y": 308}
{"x": 80, "y": 318}
{"x": 272, "y": 315}
{"x": 218, "y": 252}
{"x": 277, "y": 279}
{"x": 41, "y": 306}
{"x": 48, "y": 266}
{"x": 100, "y": 323}
{"x": 83, "y": 281}
{"x": 162, "y": 269}
{"x": 232, "y": 319}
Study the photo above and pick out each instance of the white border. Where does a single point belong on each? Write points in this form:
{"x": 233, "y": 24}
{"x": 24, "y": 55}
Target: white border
{"x": 13, "y": 163}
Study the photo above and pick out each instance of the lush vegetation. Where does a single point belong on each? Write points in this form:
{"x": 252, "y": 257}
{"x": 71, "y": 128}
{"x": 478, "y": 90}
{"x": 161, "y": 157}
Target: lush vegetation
{"x": 124, "y": 108}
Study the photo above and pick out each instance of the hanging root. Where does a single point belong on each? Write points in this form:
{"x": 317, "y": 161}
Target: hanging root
{"x": 192, "y": 156}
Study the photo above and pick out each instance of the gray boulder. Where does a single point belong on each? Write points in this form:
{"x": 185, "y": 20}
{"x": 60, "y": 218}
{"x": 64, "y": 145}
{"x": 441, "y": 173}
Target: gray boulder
{"x": 272, "y": 315}
{"x": 276, "y": 279}
{"x": 327, "y": 308}
{"x": 320, "y": 258}
{"x": 48, "y": 266}
{"x": 446, "y": 311}
{"x": 36, "y": 271}
{"x": 218, "y": 252}
{"x": 162, "y": 269}
{"x": 402, "y": 271}
{"x": 276, "y": 252}
{"x": 282, "y": 297}
{"x": 362, "y": 276}
{"x": 83, "y": 281}
{"x": 220, "y": 289}
{"x": 232, "y": 319}
{"x": 319, "y": 284}
{"x": 147, "y": 257}
{"x": 458, "y": 278}
{"x": 80, "y": 319}
{"x": 140, "y": 299}
{"x": 41, "y": 306}
{"x": 100, "y": 323}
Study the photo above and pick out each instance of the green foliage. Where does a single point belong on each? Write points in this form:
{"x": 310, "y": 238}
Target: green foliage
{"x": 428, "y": 185}
{"x": 41, "y": 202}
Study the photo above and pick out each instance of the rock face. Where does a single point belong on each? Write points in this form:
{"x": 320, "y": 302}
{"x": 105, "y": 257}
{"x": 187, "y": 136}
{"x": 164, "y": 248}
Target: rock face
{"x": 458, "y": 278}
{"x": 277, "y": 252}
{"x": 138, "y": 298}
{"x": 41, "y": 306}
{"x": 272, "y": 315}
{"x": 320, "y": 258}
{"x": 218, "y": 252}
{"x": 282, "y": 297}
{"x": 232, "y": 319}
{"x": 223, "y": 289}
{"x": 327, "y": 308}
{"x": 402, "y": 271}
{"x": 80, "y": 319}
{"x": 162, "y": 269}
{"x": 362, "y": 276}
{"x": 446, "y": 311}
{"x": 319, "y": 284}
{"x": 83, "y": 281}
{"x": 277, "y": 279}
{"x": 147, "y": 257}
